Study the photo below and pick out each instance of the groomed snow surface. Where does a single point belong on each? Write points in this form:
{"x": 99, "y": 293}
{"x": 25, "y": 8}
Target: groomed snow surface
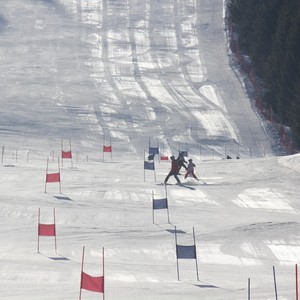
{"x": 129, "y": 73}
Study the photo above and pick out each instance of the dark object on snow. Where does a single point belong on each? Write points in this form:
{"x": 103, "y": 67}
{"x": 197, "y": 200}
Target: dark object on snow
{"x": 151, "y": 156}
{"x": 181, "y": 161}
{"x": 174, "y": 170}
{"x": 228, "y": 157}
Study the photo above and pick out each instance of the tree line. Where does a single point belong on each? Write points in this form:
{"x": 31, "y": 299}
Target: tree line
{"x": 269, "y": 33}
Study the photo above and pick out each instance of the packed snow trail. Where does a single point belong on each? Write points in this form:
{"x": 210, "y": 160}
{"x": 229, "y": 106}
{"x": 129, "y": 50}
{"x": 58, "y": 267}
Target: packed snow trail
{"x": 132, "y": 70}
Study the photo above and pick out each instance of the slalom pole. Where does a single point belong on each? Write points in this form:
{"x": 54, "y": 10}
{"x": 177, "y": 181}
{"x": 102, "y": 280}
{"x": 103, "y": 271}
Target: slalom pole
{"x": 111, "y": 149}
{"x": 248, "y": 288}
{"x": 82, "y": 260}
{"x": 38, "y": 249}
{"x": 103, "y": 146}
{"x": 167, "y": 203}
{"x": 103, "y": 269}
{"x": 144, "y": 167}
{"x": 275, "y": 285}
{"x": 71, "y": 152}
{"x": 46, "y": 175}
{"x": 195, "y": 254}
{"x": 176, "y": 254}
{"x": 158, "y": 150}
{"x": 62, "y": 146}
{"x": 59, "y": 174}
{"x": 152, "y": 207}
{"x": 54, "y": 230}
{"x": 296, "y": 271}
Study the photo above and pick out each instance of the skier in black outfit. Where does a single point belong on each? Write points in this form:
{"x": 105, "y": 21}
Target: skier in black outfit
{"x": 181, "y": 161}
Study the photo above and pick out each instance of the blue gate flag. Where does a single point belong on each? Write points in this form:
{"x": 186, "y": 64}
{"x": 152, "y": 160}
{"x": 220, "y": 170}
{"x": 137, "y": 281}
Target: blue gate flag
{"x": 186, "y": 252}
{"x": 153, "y": 150}
{"x": 160, "y": 203}
{"x": 148, "y": 165}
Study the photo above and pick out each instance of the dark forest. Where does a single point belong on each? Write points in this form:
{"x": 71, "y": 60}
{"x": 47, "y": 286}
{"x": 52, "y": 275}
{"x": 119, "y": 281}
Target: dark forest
{"x": 269, "y": 33}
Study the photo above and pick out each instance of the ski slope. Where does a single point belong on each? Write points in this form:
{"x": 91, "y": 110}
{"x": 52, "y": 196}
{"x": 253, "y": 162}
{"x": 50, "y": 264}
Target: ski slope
{"x": 131, "y": 73}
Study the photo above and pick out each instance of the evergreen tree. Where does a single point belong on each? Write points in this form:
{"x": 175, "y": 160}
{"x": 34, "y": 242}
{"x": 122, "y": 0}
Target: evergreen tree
{"x": 269, "y": 32}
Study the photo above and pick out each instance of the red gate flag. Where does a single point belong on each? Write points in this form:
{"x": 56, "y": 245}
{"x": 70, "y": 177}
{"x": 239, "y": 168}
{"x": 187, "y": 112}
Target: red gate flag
{"x": 164, "y": 158}
{"x": 46, "y": 229}
{"x": 54, "y": 177}
{"x": 107, "y": 149}
{"x": 66, "y": 154}
{"x": 90, "y": 283}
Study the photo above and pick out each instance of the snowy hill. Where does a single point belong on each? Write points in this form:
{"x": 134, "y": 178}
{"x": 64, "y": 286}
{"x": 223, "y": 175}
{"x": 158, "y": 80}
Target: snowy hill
{"x": 126, "y": 73}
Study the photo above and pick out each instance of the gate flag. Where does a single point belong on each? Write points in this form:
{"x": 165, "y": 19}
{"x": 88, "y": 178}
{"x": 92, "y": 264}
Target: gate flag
{"x": 186, "y": 252}
{"x": 66, "y": 154}
{"x": 163, "y": 157}
{"x": 91, "y": 283}
{"x": 160, "y": 203}
{"x": 149, "y": 165}
{"x": 107, "y": 148}
{"x": 46, "y": 229}
{"x": 94, "y": 284}
{"x": 153, "y": 150}
{"x": 53, "y": 177}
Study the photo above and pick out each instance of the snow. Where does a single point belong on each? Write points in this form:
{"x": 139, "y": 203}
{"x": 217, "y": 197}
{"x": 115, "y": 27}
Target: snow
{"x": 133, "y": 72}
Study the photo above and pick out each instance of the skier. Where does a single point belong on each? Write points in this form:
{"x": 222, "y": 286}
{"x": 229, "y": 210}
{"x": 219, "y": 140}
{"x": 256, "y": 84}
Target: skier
{"x": 181, "y": 161}
{"x": 174, "y": 171}
{"x": 191, "y": 169}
